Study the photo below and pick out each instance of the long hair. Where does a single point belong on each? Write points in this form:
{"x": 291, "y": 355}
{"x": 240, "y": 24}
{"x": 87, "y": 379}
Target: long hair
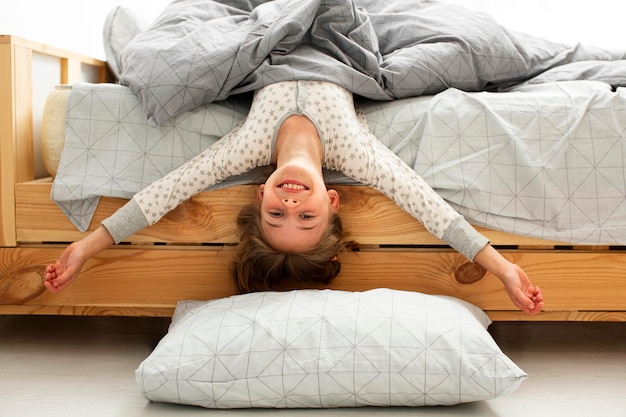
{"x": 259, "y": 267}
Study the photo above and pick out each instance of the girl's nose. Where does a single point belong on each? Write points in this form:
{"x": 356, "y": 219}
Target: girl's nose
{"x": 290, "y": 201}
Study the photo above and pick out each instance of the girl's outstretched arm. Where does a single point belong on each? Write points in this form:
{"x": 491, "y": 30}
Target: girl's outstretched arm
{"x": 64, "y": 271}
{"x": 522, "y": 292}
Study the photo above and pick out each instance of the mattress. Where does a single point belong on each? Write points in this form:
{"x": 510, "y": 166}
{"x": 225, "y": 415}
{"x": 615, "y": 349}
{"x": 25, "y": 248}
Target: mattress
{"x": 544, "y": 160}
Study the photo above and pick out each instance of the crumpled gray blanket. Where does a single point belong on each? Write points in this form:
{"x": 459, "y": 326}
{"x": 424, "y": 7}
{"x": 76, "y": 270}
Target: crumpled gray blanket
{"x": 201, "y": 51}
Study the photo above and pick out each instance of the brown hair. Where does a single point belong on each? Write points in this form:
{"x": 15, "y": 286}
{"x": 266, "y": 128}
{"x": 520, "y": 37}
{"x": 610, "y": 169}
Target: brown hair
{"x": 259, "y": 267}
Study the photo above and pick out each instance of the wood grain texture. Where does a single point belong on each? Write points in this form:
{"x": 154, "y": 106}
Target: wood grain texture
{"x": 8, "y": 145}
{"x": 209, "y": 217}
{"x": 141, "y": 281}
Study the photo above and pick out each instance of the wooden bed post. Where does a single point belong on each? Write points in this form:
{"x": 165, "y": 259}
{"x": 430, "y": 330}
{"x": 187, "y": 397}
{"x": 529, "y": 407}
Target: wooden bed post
{"x": 16, "y": 116}
{"x": 16, "y": 130}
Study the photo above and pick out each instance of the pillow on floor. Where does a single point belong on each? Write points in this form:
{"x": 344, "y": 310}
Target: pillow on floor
{"x": 327, "y": 348}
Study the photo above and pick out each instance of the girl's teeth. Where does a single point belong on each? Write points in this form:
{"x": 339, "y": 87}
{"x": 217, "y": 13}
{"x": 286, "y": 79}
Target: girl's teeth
{"x": 293, "y": 187}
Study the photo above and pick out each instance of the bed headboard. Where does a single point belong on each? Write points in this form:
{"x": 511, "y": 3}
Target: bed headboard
{"x": 19, "y": 60}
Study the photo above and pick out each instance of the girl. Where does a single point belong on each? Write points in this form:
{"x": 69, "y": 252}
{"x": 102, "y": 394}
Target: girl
{"x": 294, "y": 231}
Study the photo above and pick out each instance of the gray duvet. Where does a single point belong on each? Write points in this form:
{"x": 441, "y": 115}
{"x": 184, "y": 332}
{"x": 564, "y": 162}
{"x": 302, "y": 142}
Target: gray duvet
{"x": 200, "y": 51}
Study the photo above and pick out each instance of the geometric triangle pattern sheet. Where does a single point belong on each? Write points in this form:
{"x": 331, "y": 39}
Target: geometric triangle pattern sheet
{"x": 545, "y": 161}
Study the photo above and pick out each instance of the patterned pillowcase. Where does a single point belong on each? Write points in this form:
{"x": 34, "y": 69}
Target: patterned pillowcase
{"x": 327, "y": 348}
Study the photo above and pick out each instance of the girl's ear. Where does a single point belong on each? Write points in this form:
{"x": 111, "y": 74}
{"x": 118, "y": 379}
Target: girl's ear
{"x": 259, "y": 194}
{"x": 333, "y": 195}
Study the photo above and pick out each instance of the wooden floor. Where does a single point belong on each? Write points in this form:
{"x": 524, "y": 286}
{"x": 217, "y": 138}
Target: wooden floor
{"x": 84, "y": 366}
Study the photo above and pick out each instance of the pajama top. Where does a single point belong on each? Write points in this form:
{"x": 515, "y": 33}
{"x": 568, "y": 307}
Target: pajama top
{"x": 349, "y": 147}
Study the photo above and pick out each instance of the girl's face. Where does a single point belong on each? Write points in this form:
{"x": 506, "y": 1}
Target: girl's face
{"x": 295, "y": 208}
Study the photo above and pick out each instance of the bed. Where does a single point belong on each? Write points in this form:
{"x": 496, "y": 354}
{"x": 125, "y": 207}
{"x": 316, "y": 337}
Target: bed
{"x": 186, "y": 255}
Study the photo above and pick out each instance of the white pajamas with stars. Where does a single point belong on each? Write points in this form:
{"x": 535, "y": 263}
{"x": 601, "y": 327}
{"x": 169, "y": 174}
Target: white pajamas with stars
{"x": 349, "y": 147}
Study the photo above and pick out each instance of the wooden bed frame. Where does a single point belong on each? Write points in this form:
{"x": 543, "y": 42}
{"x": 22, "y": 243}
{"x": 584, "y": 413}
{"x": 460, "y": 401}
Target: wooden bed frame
{"x": 186, "y": 255}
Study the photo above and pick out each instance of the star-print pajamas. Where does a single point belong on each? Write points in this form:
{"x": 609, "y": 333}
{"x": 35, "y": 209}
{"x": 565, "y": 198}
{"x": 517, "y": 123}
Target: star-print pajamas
{"x": 349, "y": 147}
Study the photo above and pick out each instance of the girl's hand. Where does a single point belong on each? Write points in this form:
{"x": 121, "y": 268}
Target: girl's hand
{"x": 522, "y": 292}
{"x": 524, "y": 295}
{"x": 63, "y": 272}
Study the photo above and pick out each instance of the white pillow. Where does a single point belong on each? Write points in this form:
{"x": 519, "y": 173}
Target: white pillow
{"x": 327, "y": 348}
{"x": 120, "y": 27}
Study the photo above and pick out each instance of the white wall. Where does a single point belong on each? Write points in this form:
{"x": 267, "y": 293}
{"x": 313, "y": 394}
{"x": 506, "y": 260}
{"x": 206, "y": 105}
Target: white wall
{"x": 75, "y": 25}
{"x": 593, "y": 22}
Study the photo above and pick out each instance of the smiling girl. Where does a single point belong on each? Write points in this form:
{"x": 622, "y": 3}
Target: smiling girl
{"x": 294, "y": 232}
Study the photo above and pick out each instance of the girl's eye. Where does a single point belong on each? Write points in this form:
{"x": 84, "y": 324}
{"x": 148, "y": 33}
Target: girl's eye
{"x": 306, "y": 216}
{"x": 275, "y": 214}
